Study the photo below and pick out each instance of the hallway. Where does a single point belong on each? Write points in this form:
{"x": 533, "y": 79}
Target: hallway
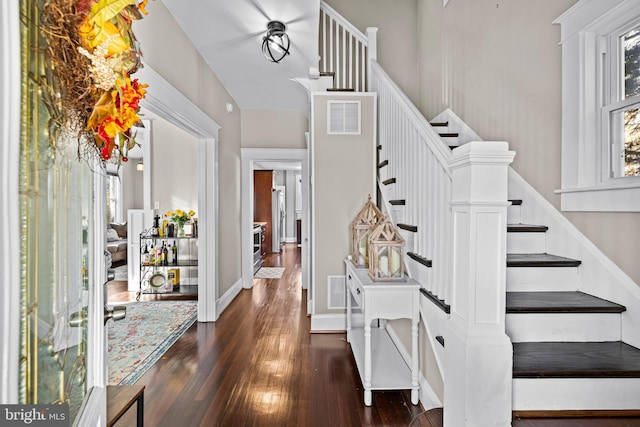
{"x": 258, "y": 365}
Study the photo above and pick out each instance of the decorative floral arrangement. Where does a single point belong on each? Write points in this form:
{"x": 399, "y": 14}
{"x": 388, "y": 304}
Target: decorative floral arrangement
{"x": 179, "y": 217}
{"x": 88, "y": 89}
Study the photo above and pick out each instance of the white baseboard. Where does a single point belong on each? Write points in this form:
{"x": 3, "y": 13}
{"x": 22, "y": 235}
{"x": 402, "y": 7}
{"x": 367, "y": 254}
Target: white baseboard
{"x": 329, "y": 322}
{"x": 224, "y": 301}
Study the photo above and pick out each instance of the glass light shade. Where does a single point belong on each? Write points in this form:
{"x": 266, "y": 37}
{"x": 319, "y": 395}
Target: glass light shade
{"x": 275, "y": 44}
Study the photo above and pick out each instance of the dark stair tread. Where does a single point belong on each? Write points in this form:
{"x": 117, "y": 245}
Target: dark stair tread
{"x": 383, "y": 164}
{"x": 559, "y": 302}
{"x": 407, "y": 227}
{"x": 516, "y": 202}
{"x": 526, "y": 228}
{"x": 448, "y": 135}
{"x": 420, "y": 259}
{"x": 389, "y": 181}
{"x": 540, "y": 260}
{"x": 398, "y": 202}
{"x": 437, "y": 301}
{"x": 340, "y": 89}
{"x": 614, "y": 359}
{"x": 439, "y": 124}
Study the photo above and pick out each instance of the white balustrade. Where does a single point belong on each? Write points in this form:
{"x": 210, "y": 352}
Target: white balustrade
{"x": 344, "y": 50}
{"x": 418, "y": 160}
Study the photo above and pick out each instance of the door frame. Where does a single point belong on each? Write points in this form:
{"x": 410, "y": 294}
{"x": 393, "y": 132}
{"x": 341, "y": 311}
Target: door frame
{"x": 168, "y": 103}
{"x": 9, "y": 199}
{"x": 249, "y": 157}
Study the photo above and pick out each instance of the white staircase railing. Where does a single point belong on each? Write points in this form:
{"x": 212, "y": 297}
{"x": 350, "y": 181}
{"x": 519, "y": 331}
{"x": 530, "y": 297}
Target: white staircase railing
{"x": 344, "y": 50}
{"x": 418, "y": 161}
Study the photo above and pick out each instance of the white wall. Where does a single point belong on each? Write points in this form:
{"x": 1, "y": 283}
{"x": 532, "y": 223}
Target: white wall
{"x": 497, "y": 65}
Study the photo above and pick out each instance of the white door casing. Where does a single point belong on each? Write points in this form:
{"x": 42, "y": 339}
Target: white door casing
{"x": 165, "y": 101}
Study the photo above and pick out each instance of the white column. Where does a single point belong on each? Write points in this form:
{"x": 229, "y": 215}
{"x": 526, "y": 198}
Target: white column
{"x": 479, "y": 355}
{"x": 372, "y": 51}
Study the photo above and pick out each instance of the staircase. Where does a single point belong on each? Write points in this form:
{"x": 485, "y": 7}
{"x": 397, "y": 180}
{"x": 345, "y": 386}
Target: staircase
{"x": 574, "y": 342}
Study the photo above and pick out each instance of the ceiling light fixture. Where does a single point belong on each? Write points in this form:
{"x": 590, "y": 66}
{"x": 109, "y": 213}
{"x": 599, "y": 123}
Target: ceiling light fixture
{"x": 275, "y": 44}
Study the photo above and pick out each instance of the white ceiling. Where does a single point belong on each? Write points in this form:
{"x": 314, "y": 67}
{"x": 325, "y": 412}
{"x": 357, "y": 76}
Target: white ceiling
{"x": 228, "y": 34}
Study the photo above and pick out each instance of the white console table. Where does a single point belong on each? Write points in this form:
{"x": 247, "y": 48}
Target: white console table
{"x": 380, "y": 364}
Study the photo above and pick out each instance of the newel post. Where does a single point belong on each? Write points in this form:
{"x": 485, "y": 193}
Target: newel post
{"x": 372, "y": 51}
{"x": 479, "y": 355}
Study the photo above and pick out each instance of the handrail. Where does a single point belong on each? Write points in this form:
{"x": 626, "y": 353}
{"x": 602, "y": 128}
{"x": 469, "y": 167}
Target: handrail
{"x": 440, "y": 150}
{"x": 418, "y": 160}
{"x": 359, "y": 35}
{"x": 344, "y": 50}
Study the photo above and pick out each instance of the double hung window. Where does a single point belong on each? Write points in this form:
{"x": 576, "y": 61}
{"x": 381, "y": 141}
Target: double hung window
{"x": 601, "y": 106}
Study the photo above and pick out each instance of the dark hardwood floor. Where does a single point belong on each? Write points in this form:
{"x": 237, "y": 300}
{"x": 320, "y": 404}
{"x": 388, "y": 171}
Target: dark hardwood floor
{"x": 258, "y": 365}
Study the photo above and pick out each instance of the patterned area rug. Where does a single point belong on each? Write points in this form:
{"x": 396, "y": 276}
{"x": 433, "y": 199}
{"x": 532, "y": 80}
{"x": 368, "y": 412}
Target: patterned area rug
{"x": 269, "y": 273}
{"x": 137, "y": 341}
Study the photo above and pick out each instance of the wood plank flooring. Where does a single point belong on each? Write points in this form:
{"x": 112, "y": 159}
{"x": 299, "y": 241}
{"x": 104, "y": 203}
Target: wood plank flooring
{"x": 258, "y": 365}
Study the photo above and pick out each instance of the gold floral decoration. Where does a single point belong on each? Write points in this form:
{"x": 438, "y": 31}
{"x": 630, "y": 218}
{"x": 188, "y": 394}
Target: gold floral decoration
{"x": 88, "y": 87}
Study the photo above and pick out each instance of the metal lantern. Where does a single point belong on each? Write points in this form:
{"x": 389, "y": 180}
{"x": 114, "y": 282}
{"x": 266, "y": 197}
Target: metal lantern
{"x": 361, "y": 227}
{"x": 386, "y": 253}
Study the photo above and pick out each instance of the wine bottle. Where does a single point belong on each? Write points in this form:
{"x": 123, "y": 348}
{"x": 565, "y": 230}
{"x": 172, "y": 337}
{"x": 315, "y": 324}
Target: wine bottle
{"x": 174, "y": 250}
{"x": 145, "y": 255}
{"x": 165, "y": 254}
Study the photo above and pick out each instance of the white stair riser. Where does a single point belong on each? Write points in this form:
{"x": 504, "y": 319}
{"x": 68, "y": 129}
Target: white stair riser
{"x": 442, "y": 129}
{"x": 559, "y": 327}
{"x": 526, "y": 243}
{"x": 553, "y": 394}
{"x": 398, "y": 213}
{"x": 451, "y": 141}
{"x": 409, "y": 240}
{"x": 514, "y": 214}
{"x": 542, "y": 279}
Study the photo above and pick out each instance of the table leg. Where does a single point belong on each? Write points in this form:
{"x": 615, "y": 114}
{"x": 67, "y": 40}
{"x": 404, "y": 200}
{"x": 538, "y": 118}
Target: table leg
{"x": 140, "y": 420}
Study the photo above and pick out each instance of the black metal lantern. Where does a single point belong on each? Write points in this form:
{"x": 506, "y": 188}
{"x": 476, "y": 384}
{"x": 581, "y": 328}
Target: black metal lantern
{"x": 275, "y": 44}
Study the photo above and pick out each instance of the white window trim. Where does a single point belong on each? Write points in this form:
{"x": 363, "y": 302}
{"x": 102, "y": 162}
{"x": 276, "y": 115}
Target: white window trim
{"x": 585, "y": 185}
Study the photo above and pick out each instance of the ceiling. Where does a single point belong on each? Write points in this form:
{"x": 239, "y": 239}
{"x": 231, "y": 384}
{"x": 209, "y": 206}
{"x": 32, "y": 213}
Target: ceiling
{"x": 228, "y": 34}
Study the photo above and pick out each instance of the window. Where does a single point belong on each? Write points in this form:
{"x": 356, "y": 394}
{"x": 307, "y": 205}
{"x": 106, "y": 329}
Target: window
{"x": 114, "y": 198}
{"x": 601, "y": 106}
{"x": 620, "y": 116}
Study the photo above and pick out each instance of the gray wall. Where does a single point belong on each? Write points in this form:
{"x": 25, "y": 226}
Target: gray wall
{"x": 170, "y": 53}
{"x": 497, "y": 65}
{"x": 343, "y": 177}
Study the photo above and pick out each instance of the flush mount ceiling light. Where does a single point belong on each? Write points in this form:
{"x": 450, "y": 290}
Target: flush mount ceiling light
{"x": 275, "y": 44}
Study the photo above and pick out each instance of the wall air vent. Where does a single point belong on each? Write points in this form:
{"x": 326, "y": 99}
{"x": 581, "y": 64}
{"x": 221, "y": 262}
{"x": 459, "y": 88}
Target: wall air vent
{"x": 337, "y": 291}
{"x": 343, "y": 118}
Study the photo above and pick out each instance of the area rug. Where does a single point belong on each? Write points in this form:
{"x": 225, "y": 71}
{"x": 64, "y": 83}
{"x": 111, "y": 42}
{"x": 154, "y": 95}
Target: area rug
{"x": 269, "y": 273}
{"x": 140, "y": 339}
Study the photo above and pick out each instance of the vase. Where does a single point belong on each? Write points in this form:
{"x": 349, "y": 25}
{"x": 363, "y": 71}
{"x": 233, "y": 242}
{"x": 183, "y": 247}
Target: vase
{"x": 180, "y": 230}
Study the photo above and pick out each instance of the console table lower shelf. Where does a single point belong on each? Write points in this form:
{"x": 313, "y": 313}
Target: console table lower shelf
{"x": 389, "y": 371}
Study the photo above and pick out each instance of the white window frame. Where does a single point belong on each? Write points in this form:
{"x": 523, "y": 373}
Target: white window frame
{"x": 589, "y": 32}
{"x": 116, "y": 182}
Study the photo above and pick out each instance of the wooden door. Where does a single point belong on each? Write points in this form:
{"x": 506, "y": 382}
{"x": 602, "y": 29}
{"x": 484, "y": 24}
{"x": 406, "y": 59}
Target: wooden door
{"x": 262, "y": 192}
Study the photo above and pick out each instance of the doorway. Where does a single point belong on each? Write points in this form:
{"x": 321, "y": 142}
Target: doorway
{"x": 275, "y": 159}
